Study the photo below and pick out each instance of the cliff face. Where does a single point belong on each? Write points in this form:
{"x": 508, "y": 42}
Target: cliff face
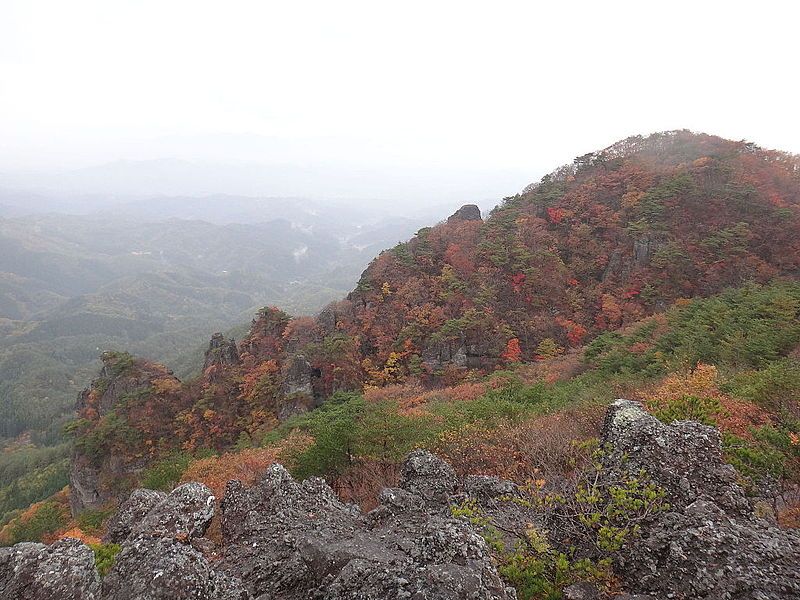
{"x": 291, "y": 540}
{"x": 106, "y": 460}
{"x": 615, "y": 236}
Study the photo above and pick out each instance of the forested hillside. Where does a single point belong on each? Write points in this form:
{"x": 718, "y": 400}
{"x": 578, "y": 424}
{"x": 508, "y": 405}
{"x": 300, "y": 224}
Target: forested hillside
{"x": 596, "y": 246}
{"x": 663, "y": 269}
{"x": 74, "y": 286}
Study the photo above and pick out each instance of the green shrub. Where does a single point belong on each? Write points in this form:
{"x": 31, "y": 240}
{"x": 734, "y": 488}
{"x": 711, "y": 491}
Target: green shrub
{"x": 91, "y": 521}
{"x": 104, "y": 557}
{"x": 775, "y": 388}
{"x": 747, "y": 327}
{"x": 48, "y": 518}
{"x": 690, "y": 408}
{"x": 165, "y": 474}
{"x": 770, "y": 453}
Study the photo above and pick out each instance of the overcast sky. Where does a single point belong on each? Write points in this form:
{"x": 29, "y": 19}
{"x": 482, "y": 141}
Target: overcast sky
{"x": 491, "y": 85}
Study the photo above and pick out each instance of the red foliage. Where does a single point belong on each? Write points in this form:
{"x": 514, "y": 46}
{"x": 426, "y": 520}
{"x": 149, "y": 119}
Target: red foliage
{"x": 513, "y": 352}
{"x": 555, "y": 215}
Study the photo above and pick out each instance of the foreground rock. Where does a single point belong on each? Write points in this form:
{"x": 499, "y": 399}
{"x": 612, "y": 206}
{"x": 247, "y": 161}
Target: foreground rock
{"x": 709, "y": 544}
{"x": 291, "y": 540}
{"x": 62, "y": 571}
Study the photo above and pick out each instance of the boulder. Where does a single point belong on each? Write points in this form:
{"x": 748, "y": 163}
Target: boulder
{"x": 184, "y": 514}
{"x": 165, "y": 569}
{"x": 468, "y": 212}
{"x": 64, "y": 570}
{"x": 130, "y": 514}
{"x": 709, "y": 544}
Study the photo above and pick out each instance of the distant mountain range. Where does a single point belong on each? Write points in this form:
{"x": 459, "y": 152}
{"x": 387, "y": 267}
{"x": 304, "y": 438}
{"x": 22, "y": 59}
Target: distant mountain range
{"x": 139, "y": 277}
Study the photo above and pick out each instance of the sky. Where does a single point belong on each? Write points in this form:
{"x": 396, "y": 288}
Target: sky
{"x": 483, "y": 87}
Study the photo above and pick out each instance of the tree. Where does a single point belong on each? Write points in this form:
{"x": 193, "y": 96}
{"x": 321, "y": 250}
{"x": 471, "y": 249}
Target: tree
{"x": 513, "y": 352}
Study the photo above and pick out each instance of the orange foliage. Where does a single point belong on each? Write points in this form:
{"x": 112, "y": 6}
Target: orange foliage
{"x": 78, "y": 534}
{"x": 246, "y": 466}
{"x": 513, "y": 352}
{"x": 737, "y": 417}
{"x": 539, "y": 448}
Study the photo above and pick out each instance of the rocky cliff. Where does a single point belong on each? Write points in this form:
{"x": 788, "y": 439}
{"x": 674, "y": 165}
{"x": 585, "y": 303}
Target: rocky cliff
{"x": 284, "y": 539}
{"x": 98, "y": 472}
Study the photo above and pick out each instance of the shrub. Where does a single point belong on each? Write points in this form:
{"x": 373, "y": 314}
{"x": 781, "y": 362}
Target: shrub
{"x": 37, "y": 523}
{"x": 691, "y": 408}
{"x": 104, "y": 557}
{"x": 166, "y": 473}
{"x": 91, "y": 521}
{"x": 776, "y": 387}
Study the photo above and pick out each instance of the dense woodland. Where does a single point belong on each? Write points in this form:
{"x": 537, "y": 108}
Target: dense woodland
{"x": 663, "y": 269}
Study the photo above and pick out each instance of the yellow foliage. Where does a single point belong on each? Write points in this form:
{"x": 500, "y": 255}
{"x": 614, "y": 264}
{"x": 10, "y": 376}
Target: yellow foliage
{"x": 166, "y": 385}
{"x": 700, "y": 382}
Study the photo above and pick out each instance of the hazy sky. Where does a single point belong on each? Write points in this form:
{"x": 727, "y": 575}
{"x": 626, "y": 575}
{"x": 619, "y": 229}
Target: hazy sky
{"x": 490, "y": 85}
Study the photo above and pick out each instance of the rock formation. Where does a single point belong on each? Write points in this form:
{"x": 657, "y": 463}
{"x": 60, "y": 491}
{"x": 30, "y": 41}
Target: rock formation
{"x": 409, "y": 547}
{"x": 221, "y": 353}
{"x": 288, "y": 540}
{"x": 468, "y": 212}
{"x": 709, "y": 544}
{"x": 91, "y": 478}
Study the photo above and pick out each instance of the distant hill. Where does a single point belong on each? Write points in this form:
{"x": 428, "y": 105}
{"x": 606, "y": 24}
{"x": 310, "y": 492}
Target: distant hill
{"x": 600, "y": 244}
{"x": 73, "y": 286}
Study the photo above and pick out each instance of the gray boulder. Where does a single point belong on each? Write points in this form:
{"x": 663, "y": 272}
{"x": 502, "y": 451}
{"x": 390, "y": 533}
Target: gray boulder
{"x": 64, "y": 570}
{"x": 184, "y": 514}
{"x": 130, "y": 514}
{"x": 291, "y": 540}
{"x": 158, "y": 560}
{"x": 709, "y": 544}
{"x": 164, "y": 569}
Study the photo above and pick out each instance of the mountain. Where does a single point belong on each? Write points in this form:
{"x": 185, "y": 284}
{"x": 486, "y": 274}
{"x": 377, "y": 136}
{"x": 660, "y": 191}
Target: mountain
{"x": 663, "y": 269}
{"x": 72, "y": 286}
{"x": 594, "y": 247}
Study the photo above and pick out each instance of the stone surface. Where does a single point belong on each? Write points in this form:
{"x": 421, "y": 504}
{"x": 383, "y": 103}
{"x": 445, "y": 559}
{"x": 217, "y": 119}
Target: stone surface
{"x": 428, "y": 476}
{"x": 297, "y": 387}
{"x": 64, "y": 570}
{"x": 184, "y": 514}
{"x": 709, "y": 544}
{"x": 468, "y": 212}
{"x": 165, "y": 569}
{"x": 130, "y": 514}
{"x": 291, "y": 540}
{"x": 221, "y": 353}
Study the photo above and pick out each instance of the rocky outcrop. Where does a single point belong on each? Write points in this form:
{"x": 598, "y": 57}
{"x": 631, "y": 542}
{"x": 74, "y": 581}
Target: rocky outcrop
{"x": 165, "y": 569}
{"x": 464, "y": 351}
{"x": 221, "y": 353}
{"x": 92, "y": 479}
{"x": 159, "y": 559}
{"x": 130, "y": 513}
{"x": 468, "y": 212}
{"x": 297, "y": 387}
{"x": 63, "y": 571}
{"x": 709, "y": 544}
{"x": 295, "y": 540}
{"x": 284, "y": 539}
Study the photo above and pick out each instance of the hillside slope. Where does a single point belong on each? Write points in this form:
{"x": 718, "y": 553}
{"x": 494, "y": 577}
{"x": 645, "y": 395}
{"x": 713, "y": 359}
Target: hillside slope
{"x": 617, "y": 235}
{"x": 620, "y": 234}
